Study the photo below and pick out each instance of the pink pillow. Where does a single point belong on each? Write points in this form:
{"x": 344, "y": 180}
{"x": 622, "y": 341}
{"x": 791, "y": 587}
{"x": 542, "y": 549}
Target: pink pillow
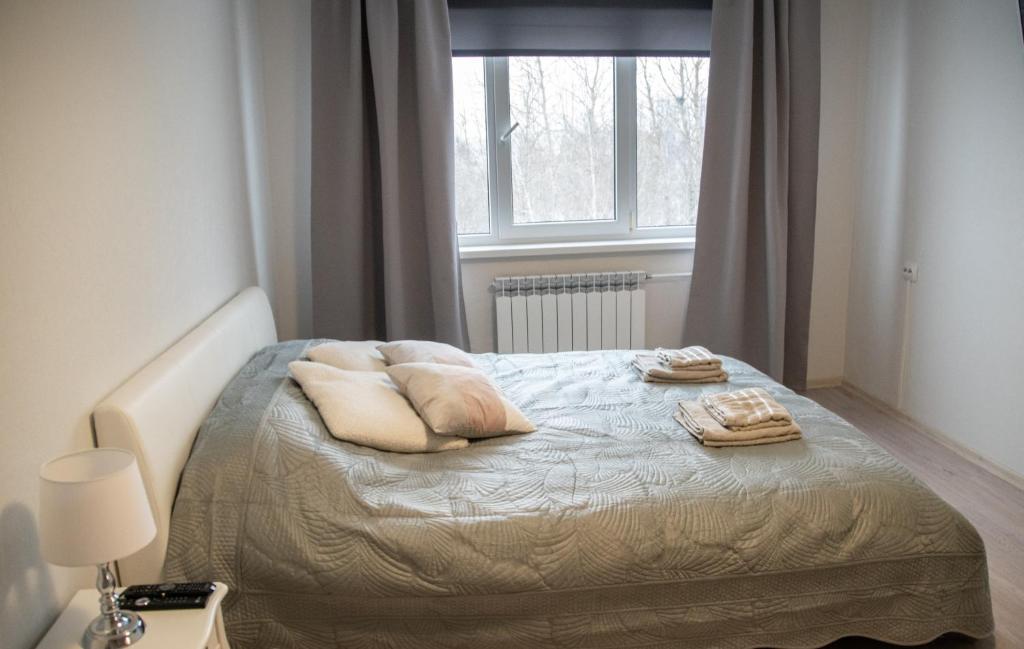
{"x": 456, "y": 400}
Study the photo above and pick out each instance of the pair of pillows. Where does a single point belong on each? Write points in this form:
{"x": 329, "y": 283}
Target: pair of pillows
{"x": 358, "y": 388}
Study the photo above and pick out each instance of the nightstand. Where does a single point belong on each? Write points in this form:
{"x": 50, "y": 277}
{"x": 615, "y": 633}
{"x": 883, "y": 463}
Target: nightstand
{"x": 182, "y": 629}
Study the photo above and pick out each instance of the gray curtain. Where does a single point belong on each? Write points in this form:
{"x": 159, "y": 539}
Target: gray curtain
{"x": 384, "y": 245}
{"x": 751, "y": 289}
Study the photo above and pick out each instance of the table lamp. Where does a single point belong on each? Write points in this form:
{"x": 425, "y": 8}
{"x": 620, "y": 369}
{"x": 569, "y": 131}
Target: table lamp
{"x": 93, "y": 510}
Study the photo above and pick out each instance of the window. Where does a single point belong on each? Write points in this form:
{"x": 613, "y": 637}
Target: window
{"x": 552, "y": 148}
{"x": 472, "y": 197}
{"x": 563, "y": 152}
{"x": 671, "y": 96}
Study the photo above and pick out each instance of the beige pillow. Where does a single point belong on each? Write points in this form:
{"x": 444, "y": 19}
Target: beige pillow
{"x": 365, "y": 408}
{"x": 358, "y": 355}
{"x": 457, "y": 400}
{"x": 423, "y": 351}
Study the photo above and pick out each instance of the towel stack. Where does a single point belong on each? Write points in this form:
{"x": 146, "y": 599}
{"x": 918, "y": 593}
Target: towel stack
{"x": 688, "y": 365}
{"x": 741, "y": 418}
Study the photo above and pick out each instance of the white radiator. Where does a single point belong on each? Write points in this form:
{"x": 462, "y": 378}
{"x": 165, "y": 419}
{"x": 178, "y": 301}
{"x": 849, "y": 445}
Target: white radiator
{"x": 582, "y": 311}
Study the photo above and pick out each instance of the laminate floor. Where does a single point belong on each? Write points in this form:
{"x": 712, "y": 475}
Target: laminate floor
{"x": 994, "y": 506}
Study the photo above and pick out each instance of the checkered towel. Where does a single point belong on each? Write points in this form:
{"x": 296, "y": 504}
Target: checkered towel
{"x": 745, "y": 409}
{"x": 652, "y": 370}
{"x": 699, "y": 423}
{"x": 695, "y": 357}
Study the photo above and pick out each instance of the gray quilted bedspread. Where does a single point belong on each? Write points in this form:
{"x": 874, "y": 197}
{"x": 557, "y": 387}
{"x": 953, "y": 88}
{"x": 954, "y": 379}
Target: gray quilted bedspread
{"x": 608, "y": 527}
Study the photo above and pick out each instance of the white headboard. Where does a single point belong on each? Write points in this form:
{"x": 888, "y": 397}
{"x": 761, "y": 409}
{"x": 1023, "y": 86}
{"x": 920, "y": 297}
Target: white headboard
{"x": 156, "y": 413}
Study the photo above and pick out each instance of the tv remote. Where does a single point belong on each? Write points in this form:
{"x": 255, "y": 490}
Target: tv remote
{"x": 163, "y": 603}
{"x": 169, "y": 589}
{"x": 166, "y": 596}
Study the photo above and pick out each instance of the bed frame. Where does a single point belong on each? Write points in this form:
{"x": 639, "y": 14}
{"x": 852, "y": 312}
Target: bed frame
{"x": 156, "y": 413}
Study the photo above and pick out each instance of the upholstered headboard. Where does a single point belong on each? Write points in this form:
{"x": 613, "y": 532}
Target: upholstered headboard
{"x": 156, "y": 413}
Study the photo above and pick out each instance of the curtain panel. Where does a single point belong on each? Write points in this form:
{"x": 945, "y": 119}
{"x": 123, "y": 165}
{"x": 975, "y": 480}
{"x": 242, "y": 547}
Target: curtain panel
{"x": 751, "y": 288}
{"x": 384, "y": 245}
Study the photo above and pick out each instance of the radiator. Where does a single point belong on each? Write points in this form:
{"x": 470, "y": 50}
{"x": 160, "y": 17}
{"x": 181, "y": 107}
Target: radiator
{"x": 582, "y": 311}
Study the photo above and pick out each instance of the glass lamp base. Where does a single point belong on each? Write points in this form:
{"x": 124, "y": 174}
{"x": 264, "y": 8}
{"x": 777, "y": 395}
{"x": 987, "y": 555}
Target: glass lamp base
{"x": 113, "y": 631}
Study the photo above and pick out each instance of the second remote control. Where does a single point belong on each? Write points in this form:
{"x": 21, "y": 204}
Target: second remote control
{"x": 170, "y": 589}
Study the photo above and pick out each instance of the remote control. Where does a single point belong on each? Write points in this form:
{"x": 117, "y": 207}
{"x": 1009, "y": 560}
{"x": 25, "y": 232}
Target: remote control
{"x": 166, "y": 603}
{"x": 170, "y": 589}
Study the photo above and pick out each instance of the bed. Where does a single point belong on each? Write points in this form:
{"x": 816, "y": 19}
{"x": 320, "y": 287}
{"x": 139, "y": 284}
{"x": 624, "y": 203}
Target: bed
{"x": 607, "y": 527}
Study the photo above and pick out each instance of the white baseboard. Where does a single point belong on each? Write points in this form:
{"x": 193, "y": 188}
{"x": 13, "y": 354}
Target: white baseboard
{"x": 1005, "y": 473}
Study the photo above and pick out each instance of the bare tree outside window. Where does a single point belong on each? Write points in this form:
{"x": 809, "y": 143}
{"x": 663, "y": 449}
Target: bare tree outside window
{"x": 471, "y": 165}
{"x": 571, "y": 168}
{"x": 563, "y": 151}
{"x": 671, "y": 96}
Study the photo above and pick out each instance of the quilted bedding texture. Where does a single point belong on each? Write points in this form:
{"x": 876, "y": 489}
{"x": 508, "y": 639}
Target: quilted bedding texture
{"x": 608, "y": 527}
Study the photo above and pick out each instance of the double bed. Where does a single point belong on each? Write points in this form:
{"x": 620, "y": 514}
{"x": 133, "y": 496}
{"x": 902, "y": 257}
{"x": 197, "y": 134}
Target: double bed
{"x": 608, "y": 527}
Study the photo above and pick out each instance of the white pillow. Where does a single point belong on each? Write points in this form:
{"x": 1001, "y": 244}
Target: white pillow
{"x": 423, "y": 351}
{"x": 365, "y": 408}
{"x": 456, "y": 400}
{"x": 360, "y": 355}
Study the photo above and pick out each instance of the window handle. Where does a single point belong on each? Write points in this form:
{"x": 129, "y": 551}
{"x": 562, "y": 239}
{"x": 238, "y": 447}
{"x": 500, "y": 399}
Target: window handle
{"x": 508, "y": 134}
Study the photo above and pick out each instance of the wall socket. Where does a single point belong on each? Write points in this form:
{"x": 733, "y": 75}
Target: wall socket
{"x": 910, "y": 271}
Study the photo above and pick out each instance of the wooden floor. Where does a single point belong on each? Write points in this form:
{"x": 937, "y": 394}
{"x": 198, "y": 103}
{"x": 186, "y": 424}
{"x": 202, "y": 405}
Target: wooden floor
{"x": 994, "y": 506}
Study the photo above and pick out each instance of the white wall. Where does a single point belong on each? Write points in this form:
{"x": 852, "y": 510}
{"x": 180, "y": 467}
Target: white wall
{"x": 844, "y": 29}
{"x": 876, "y": 286}
{"x": 123, "y": 222}
{"x": 282, "y": 30}
{"x": 943, "y": 163}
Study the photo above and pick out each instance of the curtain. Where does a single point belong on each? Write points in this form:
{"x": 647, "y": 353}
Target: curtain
{"x": 384, "y": 244}
{"x": 751, "y": 286}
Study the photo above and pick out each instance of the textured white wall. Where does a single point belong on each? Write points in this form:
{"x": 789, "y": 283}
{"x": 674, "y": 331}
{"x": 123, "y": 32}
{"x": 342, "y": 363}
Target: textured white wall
{"x": 944, "y": 156}
{"x": 123, "y": 222}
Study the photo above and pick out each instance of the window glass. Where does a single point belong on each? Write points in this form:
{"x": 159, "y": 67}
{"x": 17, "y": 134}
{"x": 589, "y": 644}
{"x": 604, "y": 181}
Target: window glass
{"x": 567, "y": 161}
{"x": 563, "y": 150}
{"x": 671, "y": 98}
{"x": 471, "y": 167}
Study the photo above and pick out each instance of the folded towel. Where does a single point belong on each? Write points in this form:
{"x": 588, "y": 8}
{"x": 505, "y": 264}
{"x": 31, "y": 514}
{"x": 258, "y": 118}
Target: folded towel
{"x": 653, "y": 371}
{"x": 771, "y": 424}
{"x": 768, "y": 429}
{"x": 694, "y": 357}
{"x": 697, "y": 421}
{"x": 744, "y": 408}
{"x": 696, "y": 418}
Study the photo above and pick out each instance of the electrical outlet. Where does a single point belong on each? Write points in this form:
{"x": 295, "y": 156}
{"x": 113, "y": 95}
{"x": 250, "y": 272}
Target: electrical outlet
{"x": 910, "y": 271}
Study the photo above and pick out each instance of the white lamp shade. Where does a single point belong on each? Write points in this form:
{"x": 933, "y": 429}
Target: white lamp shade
{"x": 93, "y": 508}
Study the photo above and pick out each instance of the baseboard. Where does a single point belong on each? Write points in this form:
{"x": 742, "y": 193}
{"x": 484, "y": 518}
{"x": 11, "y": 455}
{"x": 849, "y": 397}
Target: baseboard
{"x": 1005, "y": 473}
{"x": 826, "y": 382}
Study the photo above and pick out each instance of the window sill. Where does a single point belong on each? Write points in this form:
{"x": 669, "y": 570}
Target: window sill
{"x": 506, "y": 251}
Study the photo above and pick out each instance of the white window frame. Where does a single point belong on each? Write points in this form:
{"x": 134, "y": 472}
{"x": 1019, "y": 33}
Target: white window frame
{"x": 502, "y": 229}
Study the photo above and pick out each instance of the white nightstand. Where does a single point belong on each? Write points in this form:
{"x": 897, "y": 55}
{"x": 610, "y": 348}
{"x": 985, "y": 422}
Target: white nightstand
{"x": 182, "y": 629}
